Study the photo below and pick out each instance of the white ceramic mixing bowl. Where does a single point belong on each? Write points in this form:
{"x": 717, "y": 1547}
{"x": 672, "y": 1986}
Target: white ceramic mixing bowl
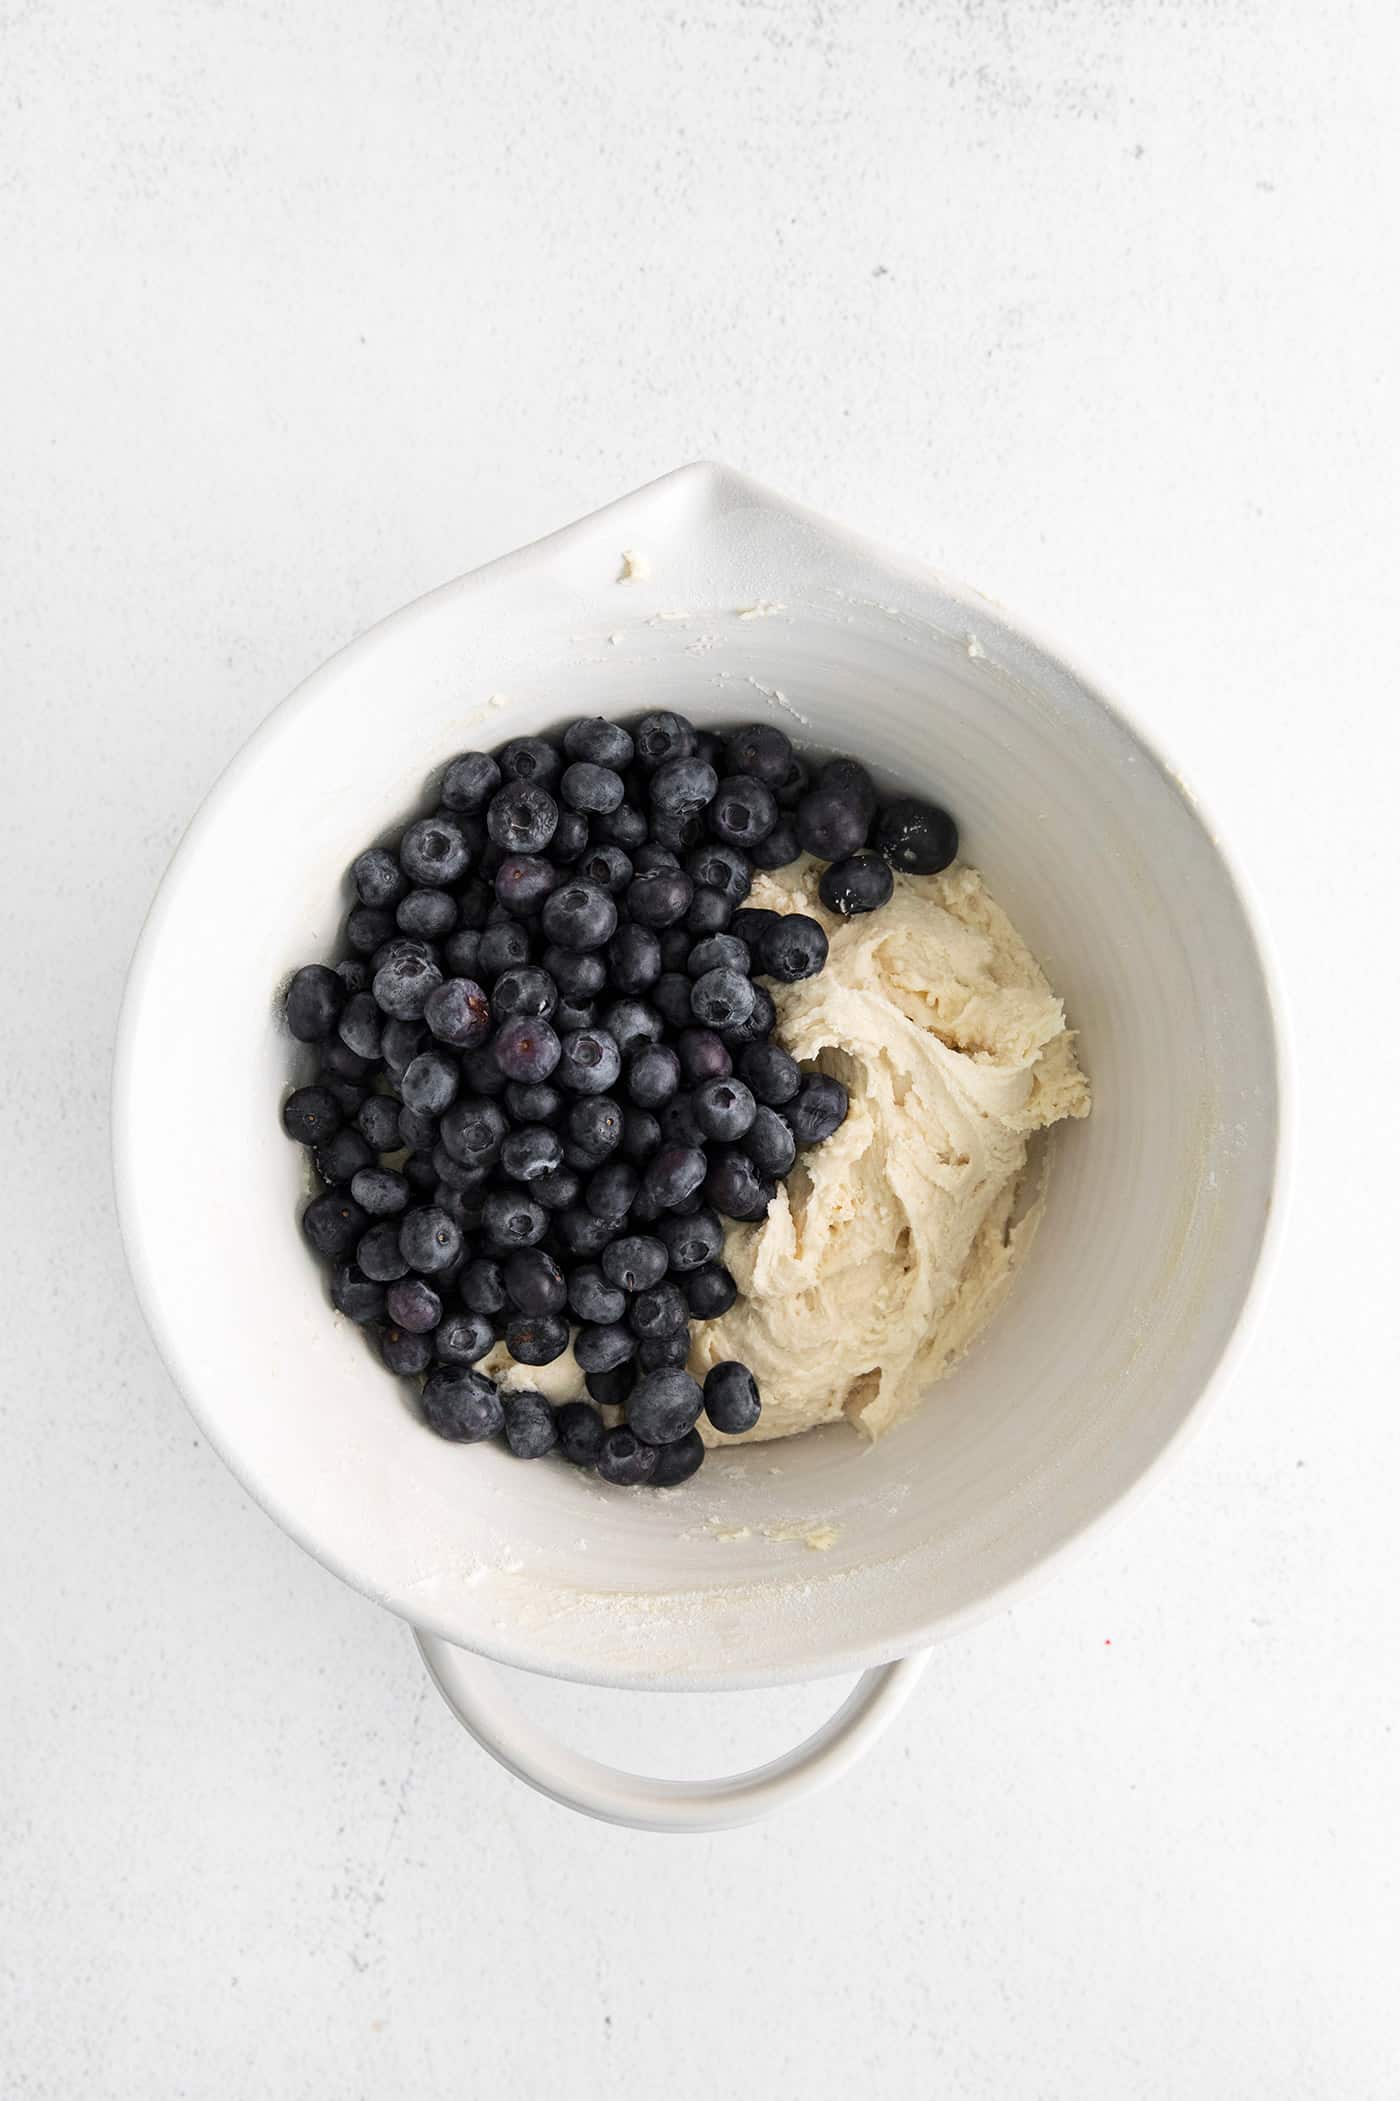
{"x": 741, "y": 606}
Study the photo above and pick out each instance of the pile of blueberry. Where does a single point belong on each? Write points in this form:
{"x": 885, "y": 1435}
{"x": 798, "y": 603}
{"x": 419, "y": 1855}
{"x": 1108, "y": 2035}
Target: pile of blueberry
{"x": 547, "y": 1071}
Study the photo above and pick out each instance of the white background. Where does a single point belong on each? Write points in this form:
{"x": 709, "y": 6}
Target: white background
{"x": 309, "y": 307}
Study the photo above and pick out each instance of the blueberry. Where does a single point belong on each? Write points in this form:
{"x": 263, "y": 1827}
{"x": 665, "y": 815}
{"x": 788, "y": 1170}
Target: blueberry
{"x": 523, "y": 882}
{"x": 780, "y": 849}
{"x": 463, "y": 1338}
{"x": 677, "y": 829}
{"x": 714, "y": 866}
{"x": 678, "y": 1125}
{"x": 624, "y": 1461}
{"x": 676, "y": 1462}
{"x": 470, "y": 781}
{"x": 482, "y": 1286}
{"x": 767, "y": 1068}
{"x": 505, "y": 946}
{"x": 661, "y": 1310}
{"x": 661, "y": 737}
{"x": 353, "y": 975}
{"x": 529, "y": 1154}
{"x": 817, "y": 1109}
{"x": 692, "y": 1242}
{"x": 734, "y": 1186}
{"x": 770, "y": 1144}
{"x": 560, "y": 1191}
{"x": 652, "y": 856}
{"x": 580, "y": 1233}
{"x": 368, "y": 928}
{"x": 413, "y": 1305}
{"x": 718, "y": 952}
{"x": 635, "y": 1262}
{"x": 595, "y": 790}
{"x": 511, "y": 1219}
{"x": 641, "y": 1134}
{"x": 377, "y": 1121}
{"x": 420, "y": 1169}
{"x": 589, "y": 1061}
{"x": 581, "y": 1432}
{"x": 849, "y": 777}
{"x": 429, "y": 1239}
{"x": 472, "y": 1132}
{"x": 832, "y": 822}
{"x": 540, "y": 1103}
{"x": 861, "y": 883}
{"x": 429, "y": 1084}
{"x": 537, "y": 1338}
{"x": 794, "y": 785}
{"x": 379, "y": 1254}
{"x": 611, "y": 1190}
{"x": 535, "y": 1281}
{"x": 625, "y": 826}
{"x": 592, "y": 1298}
{"x": 315, "y": 998}
{"x": 403, "y": 986}
{"x": 675, "y": 1173}
{"x": 461, "y": 951}
{"x": 703, "y": 1056}
{"x": 526, "y": 1049}
{"x": 481, "y": 1075}
{"x": 682, "y": 785}
{"x": 377, "y": 877}
{"x": 402, "y": 1041}
{"x": 664, "y": 1405}
{"x": 311, "y": 1115}
{"x": 723, "y": 1109}
{"x": 429, "y": 914}
{"x": 529, "y": 759}
{"x": 653, "y": 1075}
{"x": 595, "y": 1126}
{"x": 763, "y": 751}
{"x": 634, "y": 958}
{"x": 333, "y": 1223}
{"x": 458, "y": 1012}
{"x": 463, "y": 1181}
{"x": 670, "y": 996}
{"x": 749, "y": 923}
{"x": 659, "y": 896}
{"x": 611, "y": 1388}
{"x": 721, "y": 998}
{"x": 573, "y": 1014}
{"x": 743, "y": 812}
{"x": 361, "y": 1027}
{"x": 597, "y": 742}
{"x": 404, "y": 1352}
{"x": 349, "y": 1096}
{"x": 603, "y": 1348}
{"x": 731, "y": 1397}
{"x": 356, "y": 1295}
{"x": 462, "y": 1405}
{"x": 578, "y": 975}
{"x": 795, "y": 947}
{"x": 917, "y": 838}
{"x": 379, "y": 1192}
{"x": 433, "y": 851}
{"x": 464, "y": 1209}
{"x": 570, "y": 838}
{"x": 522, "y": 817}
{"x": 579, "y": 915}
{"x": 709, "y": 913}
{"x": 632, "y": 1024}
{"x": 676, "y": 944}
{"x": 709, "y": 1291}
{"x": 417, "y": 1129}
{"x": 607, "y": 866}
{"x": 760, "y": 1022}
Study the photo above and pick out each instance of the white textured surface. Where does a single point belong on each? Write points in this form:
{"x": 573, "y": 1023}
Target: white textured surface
{"x": 1087, "y": 303}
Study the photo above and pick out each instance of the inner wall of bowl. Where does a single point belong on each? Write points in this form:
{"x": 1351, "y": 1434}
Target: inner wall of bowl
{"x": 1134, "y": 1283}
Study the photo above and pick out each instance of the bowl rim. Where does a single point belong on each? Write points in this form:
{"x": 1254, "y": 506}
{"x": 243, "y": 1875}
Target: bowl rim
{"x": 711, "y": 484}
